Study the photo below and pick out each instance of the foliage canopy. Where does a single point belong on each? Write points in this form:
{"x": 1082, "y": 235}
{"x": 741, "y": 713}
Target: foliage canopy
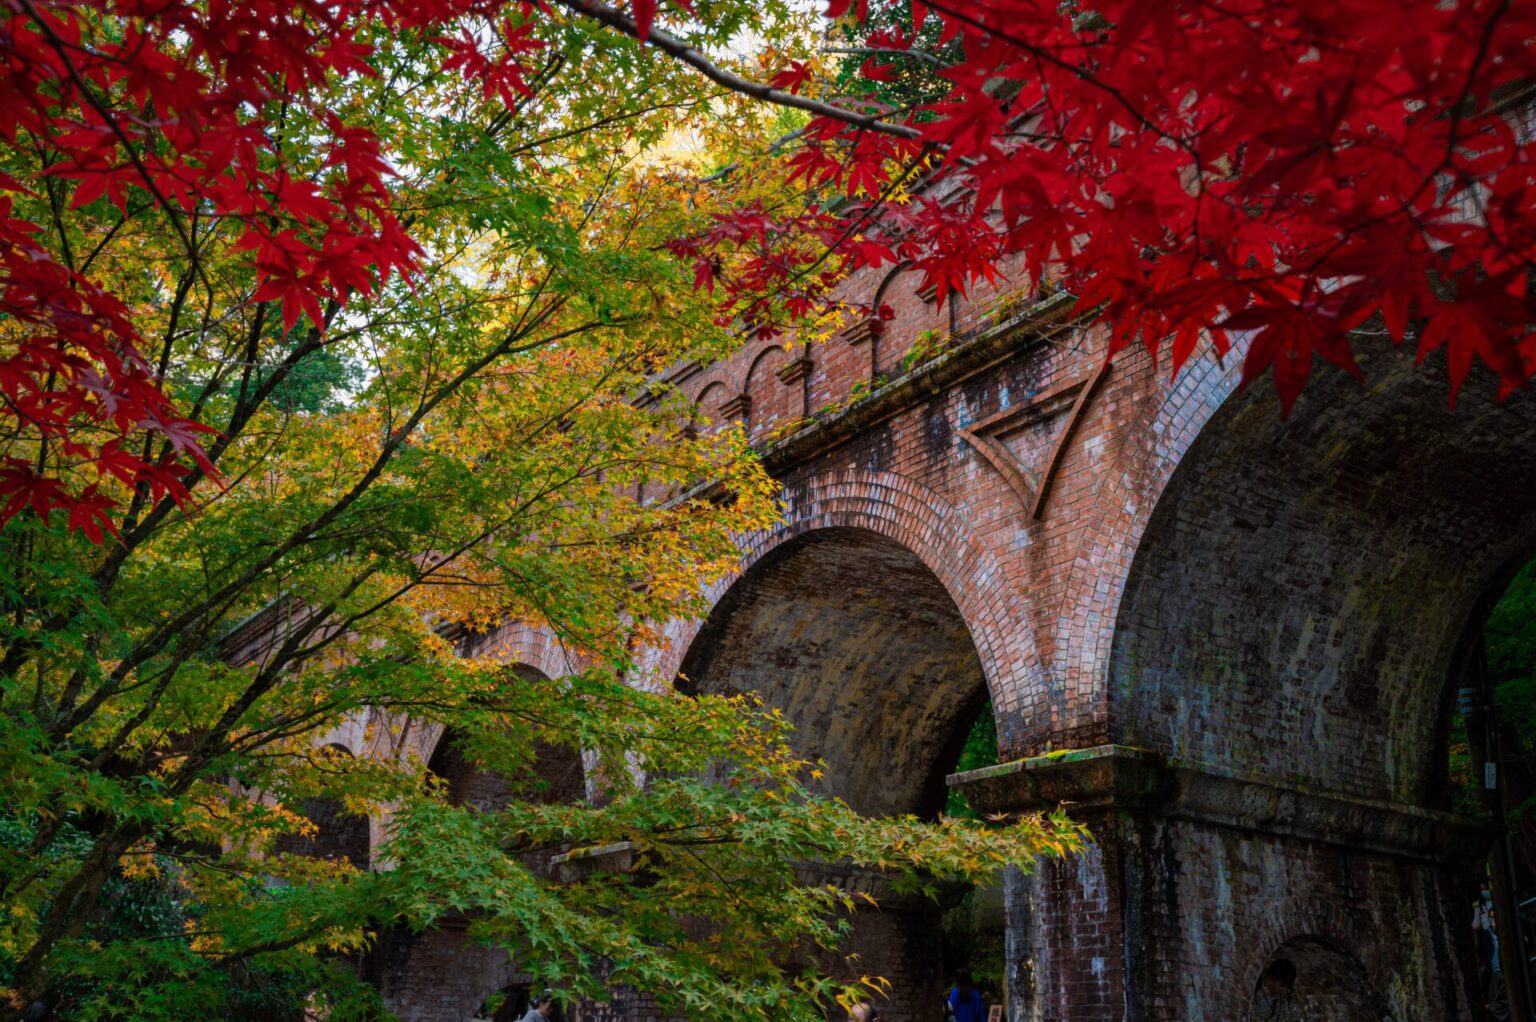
{"x": 346, "y": 315}
{"x": 289, "y": 412}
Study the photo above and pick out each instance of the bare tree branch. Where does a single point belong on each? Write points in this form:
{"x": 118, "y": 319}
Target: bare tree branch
{"x": 675, "y": 47}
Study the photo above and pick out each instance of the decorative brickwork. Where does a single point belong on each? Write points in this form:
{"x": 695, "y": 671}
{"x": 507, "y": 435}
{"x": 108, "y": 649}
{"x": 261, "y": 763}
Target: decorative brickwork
{"x": 861, "y": 330}
{"x": 1280, "y": 602}
{"x": 1254, "y": 624}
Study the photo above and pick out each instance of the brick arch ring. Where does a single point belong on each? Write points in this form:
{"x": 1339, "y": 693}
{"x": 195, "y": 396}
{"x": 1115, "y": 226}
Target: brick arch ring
{"x": 1123, "y": 508}
{"x": 519, "y": 644}
{"x": 908, "y": 513}
{"x": 1313, "y": 920}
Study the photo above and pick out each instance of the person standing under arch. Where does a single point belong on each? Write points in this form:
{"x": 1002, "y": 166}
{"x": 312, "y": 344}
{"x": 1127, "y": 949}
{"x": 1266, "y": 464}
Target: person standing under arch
{"x": 965, "y": 1003}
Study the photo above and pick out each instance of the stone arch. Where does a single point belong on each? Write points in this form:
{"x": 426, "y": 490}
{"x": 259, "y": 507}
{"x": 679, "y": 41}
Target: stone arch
{"x": 854, "y": 639}
{"x": 761, "y": 364}
{"x": 339, "y": 835}
{"x": 1339, "y": 560}
{"x": 878, "y": 624}
{"x": 513, "y": 1005}
{"x": 554, "y": 776}
{"x": 1298, "y": 612}
{"x": 438, "y": 975}
{"x": 1327, "y": 984}
{"x": 530, "y": 648}
{"x": 934, "y": 531}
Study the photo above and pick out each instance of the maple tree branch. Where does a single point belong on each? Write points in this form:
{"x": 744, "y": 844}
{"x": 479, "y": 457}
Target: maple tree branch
{"x": 1484, "y": 42}
{"x": 157, "y": 641}
{"x": 60, "y": 47}
{"x": 863, "y": 51}
{"x": 1082, "y": 74}
{"x": 731, "y": 168}
{"x": 676, "y": 48}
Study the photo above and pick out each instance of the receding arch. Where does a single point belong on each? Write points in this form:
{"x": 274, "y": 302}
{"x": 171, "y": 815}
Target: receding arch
{"x": 769, "y": 357}
{"x": 771, "y": 400}
{"x": 936, "y": 533}
{"x": 529, "y": 649}
{"x": 553, "y": 774}
{"x": 1301, "y": 605}
{"x": 858, "y": 642}
{"x": 708, "y": 402}
{"x": 1312, "y": 979}
{"x": 338, "y": 835}
{"x": 1338, "y": 562}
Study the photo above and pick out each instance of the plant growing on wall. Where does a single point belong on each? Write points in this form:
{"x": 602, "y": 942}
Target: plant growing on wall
{"x": 926, "y": 347}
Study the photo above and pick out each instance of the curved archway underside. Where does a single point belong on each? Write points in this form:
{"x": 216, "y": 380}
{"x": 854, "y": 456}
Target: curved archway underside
{"x": 1330, "y": 986}
{"x": 1305, "y": 588}
{"x": 858, "y": 643}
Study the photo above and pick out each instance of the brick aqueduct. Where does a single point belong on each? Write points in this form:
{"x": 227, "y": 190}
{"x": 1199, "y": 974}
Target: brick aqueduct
{"x": 1230, "y": 641}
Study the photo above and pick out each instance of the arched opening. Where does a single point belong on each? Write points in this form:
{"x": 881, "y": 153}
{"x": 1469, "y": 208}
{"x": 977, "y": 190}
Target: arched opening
{"x": 1302, "y": 608}
{"x": 858, "y": 643}
{"x": 440, "y": 975}
{"x": 1492, "y": 776}
{"x": 509, "y": 1004}
{"x": 976, "y": 926}
{"x": 337, "y": 835}
{"x": 1308, "y": 979}
{"x": 552, "y": 775}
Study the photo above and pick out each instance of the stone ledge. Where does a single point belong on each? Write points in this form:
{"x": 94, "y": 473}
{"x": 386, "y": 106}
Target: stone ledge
{"x": 798, "y": 369}
{"x": 1117, "y": 777}
{"x": 579, "y": 863}
{"x": 738, "y": 407}
{"x": 861, "y": 330}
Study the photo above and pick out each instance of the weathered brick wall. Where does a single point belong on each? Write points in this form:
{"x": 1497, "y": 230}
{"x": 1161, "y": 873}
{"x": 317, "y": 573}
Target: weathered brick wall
{"x": 1288, "y": 598}
{"x": 1065, "y": 946}
{"x": 438, "y": 975}
{"x": 1168, "y": 919}
{"x": 1285, "y": 601}
{"x": 1208, "y": 907}
{"x": 1043, "y": 601}
{"x": 1306, "y": 589}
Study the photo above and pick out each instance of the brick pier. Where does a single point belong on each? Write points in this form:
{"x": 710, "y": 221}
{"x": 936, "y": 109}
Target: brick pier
{"x": 1231, "y": 641}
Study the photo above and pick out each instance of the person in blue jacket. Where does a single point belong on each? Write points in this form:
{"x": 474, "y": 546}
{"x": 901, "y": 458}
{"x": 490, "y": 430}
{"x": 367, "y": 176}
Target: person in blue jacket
{"x": 965, "y": 1003}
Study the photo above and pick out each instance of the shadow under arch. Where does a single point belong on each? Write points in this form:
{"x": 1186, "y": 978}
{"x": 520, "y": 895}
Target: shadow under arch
{"x": 1300, "y": 610}
{"x": 859, "y": 644}
{"x": 1312, "y": 979}
{"x": 1341, "y": 561}
{"x": 553, "y": 774}
{"x": 936, "y": 534}
{"x": 338, "y": 834}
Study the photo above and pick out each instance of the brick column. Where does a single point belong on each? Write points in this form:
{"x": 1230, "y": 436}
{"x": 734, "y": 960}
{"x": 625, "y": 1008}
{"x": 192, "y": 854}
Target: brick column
{"x": 437, "y": 975}
{"x": 1197, "y": 879}
{"x": 899, "y": 938}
